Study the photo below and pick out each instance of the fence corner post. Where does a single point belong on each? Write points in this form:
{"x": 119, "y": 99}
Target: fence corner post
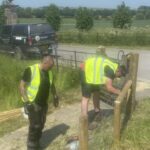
{"x": 135, "y": 59}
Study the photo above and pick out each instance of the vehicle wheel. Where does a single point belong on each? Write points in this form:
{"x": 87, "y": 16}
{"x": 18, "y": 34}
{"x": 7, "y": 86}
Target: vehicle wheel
{"x": 18, "y": 53}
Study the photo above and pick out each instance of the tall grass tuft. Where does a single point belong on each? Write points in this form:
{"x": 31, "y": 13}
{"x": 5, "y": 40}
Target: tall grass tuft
{"x": 10, "y": 75}
{"x": 135, "y": 136}
{"x": 67, "y": 78}
{"x": 109, "y": 36}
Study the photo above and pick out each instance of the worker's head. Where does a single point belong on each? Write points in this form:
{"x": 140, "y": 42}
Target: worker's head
{"x": 121, "y": 71}
{"x": 101, "y": 51}
{"x": 47, "y": 62}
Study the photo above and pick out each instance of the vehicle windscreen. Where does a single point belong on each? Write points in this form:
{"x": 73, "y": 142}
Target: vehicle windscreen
{"x": 40, "y": 29}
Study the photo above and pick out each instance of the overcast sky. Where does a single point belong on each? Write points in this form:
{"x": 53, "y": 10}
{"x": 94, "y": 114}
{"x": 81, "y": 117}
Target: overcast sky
{"x": 86, "y": 3}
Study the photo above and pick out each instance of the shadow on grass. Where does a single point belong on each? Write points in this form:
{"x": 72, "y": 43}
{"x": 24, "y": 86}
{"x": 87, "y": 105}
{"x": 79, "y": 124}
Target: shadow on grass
{"x": 104, "y": 114}
{"x": 51, "y": 134}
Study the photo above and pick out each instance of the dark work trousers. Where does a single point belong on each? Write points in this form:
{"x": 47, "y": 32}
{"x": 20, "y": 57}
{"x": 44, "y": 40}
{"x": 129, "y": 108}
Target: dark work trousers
{"x": 37, "y": 119}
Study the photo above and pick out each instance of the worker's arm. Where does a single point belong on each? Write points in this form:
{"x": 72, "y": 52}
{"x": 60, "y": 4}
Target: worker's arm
{"x": 22, "y": 88}
{"x": 55, "y": 97}
{"x": 110, "y": 87}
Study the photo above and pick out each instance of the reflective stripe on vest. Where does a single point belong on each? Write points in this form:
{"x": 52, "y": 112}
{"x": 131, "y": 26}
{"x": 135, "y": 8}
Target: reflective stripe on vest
{"x": 33, "y": 87}
{"x": 94, "y": 69}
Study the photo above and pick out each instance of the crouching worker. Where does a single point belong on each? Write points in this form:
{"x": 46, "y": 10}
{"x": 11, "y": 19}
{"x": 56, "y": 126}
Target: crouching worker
{"x": 96, "y": 72}
{"x": 36, "y": 83}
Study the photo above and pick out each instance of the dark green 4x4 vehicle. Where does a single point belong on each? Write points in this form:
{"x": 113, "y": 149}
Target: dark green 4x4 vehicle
{"x": 25, "y": 40}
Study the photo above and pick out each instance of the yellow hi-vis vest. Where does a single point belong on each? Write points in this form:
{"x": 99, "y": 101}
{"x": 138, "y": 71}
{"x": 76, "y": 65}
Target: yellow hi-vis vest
{"x": 33, "y": 87}
{"x": 94, "y": 69}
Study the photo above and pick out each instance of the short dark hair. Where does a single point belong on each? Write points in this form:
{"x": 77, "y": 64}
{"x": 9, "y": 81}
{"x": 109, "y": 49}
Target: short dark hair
{"x": 123, "y": 70}
{"x": 45, "y": 54}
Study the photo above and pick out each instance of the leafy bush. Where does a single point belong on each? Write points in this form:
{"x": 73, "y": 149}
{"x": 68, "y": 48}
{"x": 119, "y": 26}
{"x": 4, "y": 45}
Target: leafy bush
{"x": 84, "y": 19}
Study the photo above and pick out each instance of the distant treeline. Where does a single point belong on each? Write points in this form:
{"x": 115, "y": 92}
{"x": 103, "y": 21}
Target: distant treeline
{"x": 143, "y": 12}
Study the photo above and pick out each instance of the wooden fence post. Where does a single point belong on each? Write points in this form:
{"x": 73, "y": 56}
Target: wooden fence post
{"x": 83, "y": 133}
{"x": 117, "y": 118}
{"x": 134, "y": 78}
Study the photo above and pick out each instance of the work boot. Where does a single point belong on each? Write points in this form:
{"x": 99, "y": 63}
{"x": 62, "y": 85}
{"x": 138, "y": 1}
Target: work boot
{"x": 33, "y": 146}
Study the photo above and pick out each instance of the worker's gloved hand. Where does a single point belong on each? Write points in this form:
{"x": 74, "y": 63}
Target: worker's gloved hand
{"x": 56, "y": 101}
{"x": 27, "y": 107}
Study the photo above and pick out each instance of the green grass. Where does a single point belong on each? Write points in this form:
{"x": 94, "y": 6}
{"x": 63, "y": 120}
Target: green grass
{"x": 135, "y": 137}
{"x": 102, "y": 33}
{"x": 10, "y": 75}
{"x": 109, "y": 37}
{"x": 12, "y": 125}
{"x": 69, "y": 23}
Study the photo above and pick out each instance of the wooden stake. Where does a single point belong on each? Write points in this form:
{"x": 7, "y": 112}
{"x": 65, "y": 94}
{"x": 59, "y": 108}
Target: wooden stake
{"x": 134, "y": 78}
{"x": 117, "y": 118}
{"x": 83, "y": 133}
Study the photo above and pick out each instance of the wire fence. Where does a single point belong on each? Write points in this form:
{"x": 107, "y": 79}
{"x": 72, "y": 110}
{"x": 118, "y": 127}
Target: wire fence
{"x": 74, "y": 58}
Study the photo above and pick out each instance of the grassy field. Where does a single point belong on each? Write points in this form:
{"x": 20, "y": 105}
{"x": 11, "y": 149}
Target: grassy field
{"x": 102, "y": 33}
{"x": 69, "y": 23}
{"x": 135, "y": 137}
{"x": 31, "y": 20}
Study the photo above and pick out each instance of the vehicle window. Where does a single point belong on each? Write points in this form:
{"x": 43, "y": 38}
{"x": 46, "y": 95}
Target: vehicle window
{"x": 40, "y": 29}
{"x": 6, "y": 30}
{"x": 20, "y": 30}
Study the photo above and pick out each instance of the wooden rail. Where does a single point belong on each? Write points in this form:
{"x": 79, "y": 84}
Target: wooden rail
{"x": 6, "y": 115}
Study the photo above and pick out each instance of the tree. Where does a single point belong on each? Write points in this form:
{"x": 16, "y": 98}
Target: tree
{"x": 39, "y": 12}
{"x": 122, "y": 18}
{"x": 68, "y": 12}
{"x": 53, "y": 17}
{"x": 84, "y": 19}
